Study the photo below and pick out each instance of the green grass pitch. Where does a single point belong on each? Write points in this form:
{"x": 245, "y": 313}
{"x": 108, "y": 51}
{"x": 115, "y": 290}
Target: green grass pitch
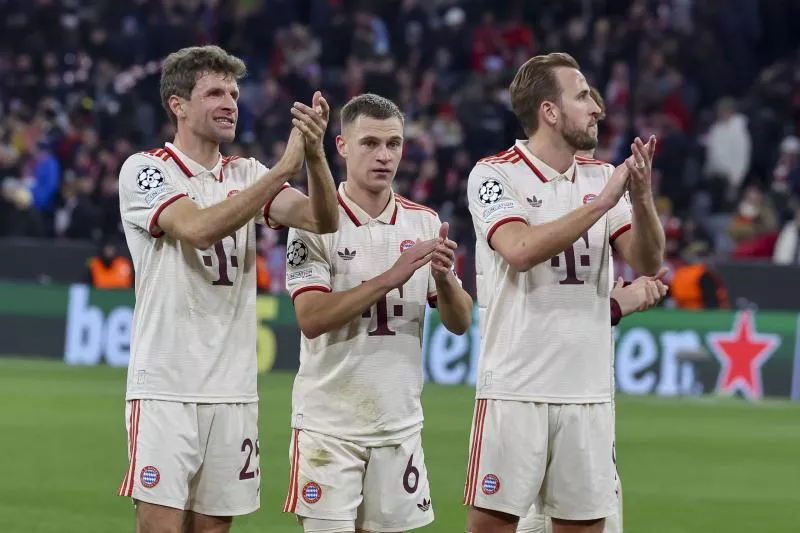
{"x": 687, "y": 465}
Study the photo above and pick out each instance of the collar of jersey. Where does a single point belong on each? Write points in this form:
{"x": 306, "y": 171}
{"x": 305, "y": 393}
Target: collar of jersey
{"x": 189, "y": 166}
{"x": 542, "y": 170}
{"x": 359, "y": 216}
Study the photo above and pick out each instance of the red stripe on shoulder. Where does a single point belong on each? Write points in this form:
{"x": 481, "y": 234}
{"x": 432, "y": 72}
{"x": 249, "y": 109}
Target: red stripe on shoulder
{"x": 500, "y": 156}
{"x": 158, "y": 152}
{"x": 408, "y": 204}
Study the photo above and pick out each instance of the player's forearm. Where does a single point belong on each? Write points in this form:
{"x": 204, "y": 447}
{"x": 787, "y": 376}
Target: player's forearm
{"x": 648, "y": 239}
{"x": 541, "y": 242}
{"x": 333, "y": 310}
{"x": 455, "y": 305}
{"x": 221, "y": 219}
{"x": 322, "y": 193}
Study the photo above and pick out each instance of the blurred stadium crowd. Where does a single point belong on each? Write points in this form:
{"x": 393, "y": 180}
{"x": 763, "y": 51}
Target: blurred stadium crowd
{"x": 717, "y": 82}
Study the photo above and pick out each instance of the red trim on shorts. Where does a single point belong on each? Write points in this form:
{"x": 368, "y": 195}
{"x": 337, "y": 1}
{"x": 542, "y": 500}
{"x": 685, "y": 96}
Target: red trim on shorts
{"x": 475, "y": 453}
{"x": 291, "y": 498}
{"x": 499, "y": 223}
{"x": 619, "y": 232}
{"x": 126, "y": 488}
{"x": 269, "y": 204}
{"x": 154, "y": 220}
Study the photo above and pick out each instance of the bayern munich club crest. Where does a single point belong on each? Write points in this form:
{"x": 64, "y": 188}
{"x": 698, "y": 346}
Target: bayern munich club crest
{"x": 149, "y": 477}
{"x": 589, "y": 198}
{"x": 312, "y": 492}
{"x": 490, "y": 484}
{"x": 405, "y": 245}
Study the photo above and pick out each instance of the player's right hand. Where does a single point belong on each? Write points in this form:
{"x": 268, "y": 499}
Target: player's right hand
{"x": 616, "y": 186}
{"x": 413, "y": 258}
{"x": 291, "y": 161}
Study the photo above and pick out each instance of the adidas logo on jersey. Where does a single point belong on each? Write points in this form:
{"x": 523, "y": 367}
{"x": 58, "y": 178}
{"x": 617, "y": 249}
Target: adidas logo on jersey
{"x": 535, "y": 202}
{"x": 347, "y": 255}
{"x": 425, "y": 505}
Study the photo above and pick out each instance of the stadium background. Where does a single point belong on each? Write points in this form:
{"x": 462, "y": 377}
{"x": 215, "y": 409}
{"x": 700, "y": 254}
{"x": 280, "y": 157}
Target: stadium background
{"x": 700, "y": 448}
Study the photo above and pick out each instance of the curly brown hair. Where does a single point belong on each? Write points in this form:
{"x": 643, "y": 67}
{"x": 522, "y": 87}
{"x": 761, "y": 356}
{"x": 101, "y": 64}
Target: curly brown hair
{"x": 180, "y": 71}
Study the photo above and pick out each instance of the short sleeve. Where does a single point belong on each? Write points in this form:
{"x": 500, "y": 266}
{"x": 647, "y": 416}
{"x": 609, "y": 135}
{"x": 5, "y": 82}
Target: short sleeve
{"x": 144, "y": 192}
{"x": 308, "y": 266}
{"x": 619, "y": 218}
{"x": 263, "y": 216}
{"x": 432, "y": 293}
{"x": 492, "y": 201}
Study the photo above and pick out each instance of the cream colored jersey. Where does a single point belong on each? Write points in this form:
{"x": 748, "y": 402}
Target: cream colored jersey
{"x": 363, "y": 382}
{"x": 193, "y": 337}
{"x": 545, "y": 333}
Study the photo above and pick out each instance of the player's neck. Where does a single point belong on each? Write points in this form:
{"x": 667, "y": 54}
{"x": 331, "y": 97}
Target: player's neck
{"x": 202, "y": 151}
{"x": 552, "y": 150}
{"x": 372, "y": 203}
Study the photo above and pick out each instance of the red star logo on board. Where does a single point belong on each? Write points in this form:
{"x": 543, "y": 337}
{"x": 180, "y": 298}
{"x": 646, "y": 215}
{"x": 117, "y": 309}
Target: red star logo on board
{"x": 741, "y": 354}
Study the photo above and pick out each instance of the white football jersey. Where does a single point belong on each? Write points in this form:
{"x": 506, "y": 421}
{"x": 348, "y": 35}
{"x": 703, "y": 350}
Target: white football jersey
{"x": 545, "y": 333}
{"x": 363, "y": 382}
{"x": 194, "y": 333}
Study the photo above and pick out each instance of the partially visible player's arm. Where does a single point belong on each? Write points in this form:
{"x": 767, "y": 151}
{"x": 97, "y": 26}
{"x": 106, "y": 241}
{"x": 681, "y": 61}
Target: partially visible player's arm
{"x": 320, "y": 311}
{"x": 643, "y": 246}
{"x": 639, "y": 295}
{"x": 524, "y": 246}
{"x": 319, "y": 211}
{"x": 200, "y": 227}
{"x": 454, "y": 303}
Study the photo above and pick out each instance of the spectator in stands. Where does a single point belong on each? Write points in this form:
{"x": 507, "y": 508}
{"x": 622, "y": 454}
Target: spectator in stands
{"x": 110, "y": 270}
{"x": 754, "y": 226}
{"x": 727, "y": 152}
{"x": 698, "y": 286}
{"x": 787, "y": 248}
{"x": 84, "y": 76}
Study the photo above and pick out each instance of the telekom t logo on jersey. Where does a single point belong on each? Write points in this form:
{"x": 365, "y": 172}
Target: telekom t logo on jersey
{"x": 224, "y": 256}
{"x": 382, "y": 312}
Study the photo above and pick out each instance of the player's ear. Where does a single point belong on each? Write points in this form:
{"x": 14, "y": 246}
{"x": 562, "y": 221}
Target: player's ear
{"x": 341, "y": 146}
{"x": 550, "y": 112}
{"x": 176, "y": 106}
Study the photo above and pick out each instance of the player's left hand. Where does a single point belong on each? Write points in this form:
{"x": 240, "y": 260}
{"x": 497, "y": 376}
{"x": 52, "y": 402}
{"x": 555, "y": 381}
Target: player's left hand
{"x": 642, "y": 294}
{"x": 444, "y": 255}
{"x": 640, "y": 164}
{"x": 312, "y": 122}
